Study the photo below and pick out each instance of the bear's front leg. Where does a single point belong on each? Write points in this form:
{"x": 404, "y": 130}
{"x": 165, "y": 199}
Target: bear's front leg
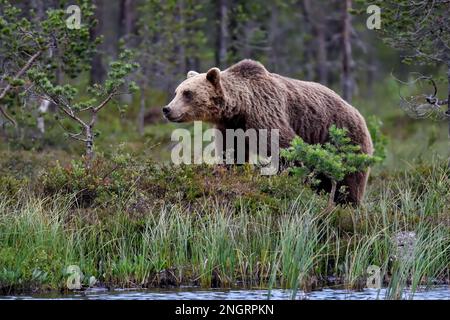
{"x": 232, "y": 148}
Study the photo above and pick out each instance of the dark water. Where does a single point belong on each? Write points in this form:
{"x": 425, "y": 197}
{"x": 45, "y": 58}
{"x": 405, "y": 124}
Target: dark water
{"x": 436, "y": 293}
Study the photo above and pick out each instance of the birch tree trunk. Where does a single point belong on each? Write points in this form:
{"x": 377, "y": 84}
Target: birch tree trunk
{"x": 43, "y": 108}
{"x": 90, "y": 141}
{"x": 89, "y": 147}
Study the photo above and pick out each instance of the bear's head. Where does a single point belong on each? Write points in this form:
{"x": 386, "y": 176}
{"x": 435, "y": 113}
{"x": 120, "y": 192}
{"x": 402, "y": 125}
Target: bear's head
{"x": 198, "y": 98}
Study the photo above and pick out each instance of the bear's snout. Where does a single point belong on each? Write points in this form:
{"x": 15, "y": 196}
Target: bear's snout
{"x": 171, "y": 114}
{"x": 166, "y": 110}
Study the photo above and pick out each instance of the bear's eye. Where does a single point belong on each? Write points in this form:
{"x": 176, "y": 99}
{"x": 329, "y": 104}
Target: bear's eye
{"x": 188, "y": 94}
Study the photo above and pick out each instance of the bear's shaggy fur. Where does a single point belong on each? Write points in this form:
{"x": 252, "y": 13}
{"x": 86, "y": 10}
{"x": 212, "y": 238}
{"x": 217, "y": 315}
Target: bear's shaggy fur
{"x": 247, "y": 96}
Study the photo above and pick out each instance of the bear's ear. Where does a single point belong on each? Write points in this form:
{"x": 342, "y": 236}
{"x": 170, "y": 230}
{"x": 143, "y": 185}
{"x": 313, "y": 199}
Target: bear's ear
{"x": 213, "y": 76}
{"x": 190, "y": 74}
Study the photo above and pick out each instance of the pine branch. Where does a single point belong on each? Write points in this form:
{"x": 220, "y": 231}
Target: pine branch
{"x": 8, "y": 87}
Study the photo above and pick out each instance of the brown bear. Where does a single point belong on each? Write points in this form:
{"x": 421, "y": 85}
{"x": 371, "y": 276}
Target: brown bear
{"x": 247, "y": 96}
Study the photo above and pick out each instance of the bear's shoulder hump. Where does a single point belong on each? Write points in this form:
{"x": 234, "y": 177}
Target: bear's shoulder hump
{"x": 248, "y": 68}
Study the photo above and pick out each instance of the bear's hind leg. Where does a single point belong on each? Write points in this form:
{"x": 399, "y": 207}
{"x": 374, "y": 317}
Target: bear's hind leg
{"x": 355, "y": 186}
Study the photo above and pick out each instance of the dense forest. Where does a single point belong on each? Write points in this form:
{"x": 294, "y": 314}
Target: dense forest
{"x": 85, "y": 171}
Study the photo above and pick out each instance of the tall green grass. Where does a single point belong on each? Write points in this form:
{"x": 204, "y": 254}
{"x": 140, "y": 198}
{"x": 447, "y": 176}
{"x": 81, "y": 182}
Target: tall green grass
{"x": 215, "y": 244}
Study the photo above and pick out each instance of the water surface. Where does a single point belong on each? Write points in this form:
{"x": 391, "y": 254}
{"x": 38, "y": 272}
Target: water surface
{"x": 189, "y": 293}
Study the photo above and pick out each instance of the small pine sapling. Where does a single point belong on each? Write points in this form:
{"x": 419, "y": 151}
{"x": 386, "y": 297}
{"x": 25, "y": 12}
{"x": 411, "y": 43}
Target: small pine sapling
{"x": 334, "y": 159}
{"x": 28, "y": 41}
{"x": 85, "y": 112}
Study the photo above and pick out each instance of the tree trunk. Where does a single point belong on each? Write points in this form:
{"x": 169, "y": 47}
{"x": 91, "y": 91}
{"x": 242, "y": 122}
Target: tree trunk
{"x": 246, "y": 49}
{"x": 177, "y": 58}
{"x": 97, "y": 72}
{"x": 141, "y": 115}
{"x": 43, "y": 108}
{"x": 192, "y": 51}
{"x": 222, "y": 30}
{"x": 89, "y": 147}
{"x": 322, "y": 59}
{"x": 273, "y": 37}
{"x": 180, "y": 47}
{"x": 90, "y": 142}
{"x": 347, "y": 63}
{"x": 127, "y": 23}
{"x": 127, "y": 17}
{"x": 308, "y": 54}
{"x": 233, "y": 27}
{"x": 319, "y": 31}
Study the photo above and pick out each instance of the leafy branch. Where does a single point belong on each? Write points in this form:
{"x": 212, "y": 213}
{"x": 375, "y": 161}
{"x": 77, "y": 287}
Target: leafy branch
{"x": 85, "y": 113}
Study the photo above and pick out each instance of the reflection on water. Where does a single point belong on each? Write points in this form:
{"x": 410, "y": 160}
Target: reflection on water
{"x": 436, "y": 293}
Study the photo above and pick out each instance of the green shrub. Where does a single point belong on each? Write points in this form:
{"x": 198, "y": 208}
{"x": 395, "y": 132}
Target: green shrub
{"x": 334, "y": 159}
{"x": 105, "y": 181}
{"x": 10, "y": 185}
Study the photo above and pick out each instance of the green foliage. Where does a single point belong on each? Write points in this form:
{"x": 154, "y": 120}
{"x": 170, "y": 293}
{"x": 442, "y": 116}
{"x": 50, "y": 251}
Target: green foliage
{"x": 70, "y": 53}
{"x": 10, "y": 185}
{"x": 117, "y": 176}
{"x": 238, "y": 186}
{"x": 68, "y": 50}
{"x": 379, "y": 139}
{"x": 105, "y": 181}
{"x": 210, "y": 245}
{"x": 64, "y": 96}
{"x": 51, "y": 50}
{"x": 334, "y": 159}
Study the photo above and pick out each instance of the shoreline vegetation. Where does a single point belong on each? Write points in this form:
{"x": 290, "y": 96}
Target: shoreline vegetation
{"x": 144, "y": 225}
{"x": 126, "y": 218}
